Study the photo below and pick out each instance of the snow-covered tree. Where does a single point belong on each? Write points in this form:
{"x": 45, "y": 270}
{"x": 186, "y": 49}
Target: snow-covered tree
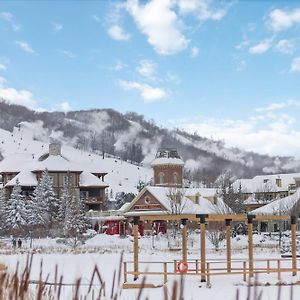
{"x": 66, "y": 196}
{"x": 2, "y": 209}
{"x": 44, "y": 203}
{"x": 16, "y": 213}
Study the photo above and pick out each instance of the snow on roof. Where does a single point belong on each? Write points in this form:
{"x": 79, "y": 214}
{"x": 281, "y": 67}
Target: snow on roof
{"x": 167, "y": 161}
{"x": 187, "y": 207}
{"x": 278, "y": 207}
{"x": 266, "y": 183}
{"x": 204, "y": 192}
{"x": 88, "y": 179}
{"x": 25, "y": 178}
{"x": 57, "y": 163}
{"x": 124, "y": 207}
{"x": 15, "y": 162}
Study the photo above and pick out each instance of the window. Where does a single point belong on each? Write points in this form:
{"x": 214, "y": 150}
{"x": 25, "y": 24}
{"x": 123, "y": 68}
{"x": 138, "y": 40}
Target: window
{"x": 175, "y": 178}
{"x": 147, "y": 200}
{"x": 51, "y": 179}
{"x": 84, "y": 194}
{"x": 66, "y": 179}
{"x": 278, "y": 182}
{"x": 161, "y": 177}
{"x": 297, "y": 183}
{"x": 266, "y": 180}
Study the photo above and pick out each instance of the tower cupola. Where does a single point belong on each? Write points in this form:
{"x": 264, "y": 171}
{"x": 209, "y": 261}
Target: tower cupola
{"x": 168, "y": 168}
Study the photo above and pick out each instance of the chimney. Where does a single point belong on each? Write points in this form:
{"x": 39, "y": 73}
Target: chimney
{"x": 55, "y": 149}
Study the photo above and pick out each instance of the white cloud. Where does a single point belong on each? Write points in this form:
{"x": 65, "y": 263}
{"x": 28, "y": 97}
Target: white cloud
{"x": 285, "y": 46}
{"x": 147, "y": 68}
{"x": 160, "y": 24}
{"x": 8, "y": 17}
{"x": 148, "y": 93}
{"x": 2, "y": 67}
{"x": 295, "y": 66}
{"x": 202, "y": 9}
{"x": 25, "y": 46}
{"x": 194, "y": 52}
{"x": 261, "y": 47}
{"x": 96, "y": 18}
{"x": 2, "y": 81}
{"x": 63, "y": 106}
{"x": 279, "y": 19}
{"x": 116, "y": 32}
{"x": 57, "y": 26}
{"x": 268, "y": 134}
{"x": 68, "y": 54}
{"x": 19, "y": 97}
{"x": 118, "y": 66}
{"x": 279, "y": 105}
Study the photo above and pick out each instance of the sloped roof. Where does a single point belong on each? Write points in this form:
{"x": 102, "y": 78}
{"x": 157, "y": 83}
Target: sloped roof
{"x": 87, "y": 179}
{"x": 187, "y": 207}
{"x": 57, "y": 163}
{"x": 25, "y": 178}
{"x": 167, "y": 161}
{"x": 257, "y": 183}
{"x": 278, "y": 207}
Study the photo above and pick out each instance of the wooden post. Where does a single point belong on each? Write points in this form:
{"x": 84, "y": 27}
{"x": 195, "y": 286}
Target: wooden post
{"x": 268, "y": 266}
{"x": 202, "y": 245}
{"x": 244, "y": 271}
{"x": 136, "y": 246}
{"x": 250, "y": 243}
{"x": 125, "y": 272}
{"x": 197, "y": 267}
{"x": 208, "y": 276}
{"x": 184, "y": 240}
{"x": 175, "y": 266}
{"x": 165, "y": 272}
{"x": 278, "y": 269}
{"x": 228, "y": 245}
{"x": 294, "y": 250}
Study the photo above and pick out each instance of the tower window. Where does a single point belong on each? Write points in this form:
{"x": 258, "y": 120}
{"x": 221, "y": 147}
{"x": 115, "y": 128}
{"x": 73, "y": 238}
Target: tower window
{"x": 161, "y": 177}
{"x": 175, "y": 177}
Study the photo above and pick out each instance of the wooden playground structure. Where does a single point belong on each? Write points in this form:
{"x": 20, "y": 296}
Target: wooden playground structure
{"x": 203, "y": 268}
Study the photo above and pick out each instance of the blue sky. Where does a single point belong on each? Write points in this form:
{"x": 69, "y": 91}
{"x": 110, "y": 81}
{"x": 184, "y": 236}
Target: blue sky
{"x": 228, "y": 70}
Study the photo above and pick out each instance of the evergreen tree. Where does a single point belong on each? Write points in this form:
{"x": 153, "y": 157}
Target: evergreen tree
{"x": 16, "y": 213}
{"x": 66, "y": 196}
{"x": 2, "y": 209}
{"x": 75, "y": 221}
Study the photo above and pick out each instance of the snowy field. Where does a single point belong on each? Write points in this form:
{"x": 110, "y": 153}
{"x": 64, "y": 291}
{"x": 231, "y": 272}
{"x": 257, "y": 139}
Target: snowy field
{"x": 105, "y": 252}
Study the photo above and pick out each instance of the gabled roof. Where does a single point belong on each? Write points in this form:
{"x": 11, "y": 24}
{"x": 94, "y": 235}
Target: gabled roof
{"x": 57, "y": 163}
{"x": 279, "y": 207}
{"x": 187, "y": 207}
{"x": 167, "y": 161}
{"x": 89, "y": 180}
{"x": 25, "y": 178}
{"x": 266, "y": 183}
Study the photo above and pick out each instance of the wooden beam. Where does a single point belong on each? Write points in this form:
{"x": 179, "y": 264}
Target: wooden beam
{"x": 294, "y": 250}
{"x": 250, "y": 244}
{"x": 184, "y": 240}
{"x": 212, "y": 217}
{"x": 136, "y": 246}
{"x": 202, "y": 245}
{"x": 228, "y": 245}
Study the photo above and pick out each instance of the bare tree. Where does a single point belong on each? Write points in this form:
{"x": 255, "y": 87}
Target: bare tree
{"x": 177, "y": 203}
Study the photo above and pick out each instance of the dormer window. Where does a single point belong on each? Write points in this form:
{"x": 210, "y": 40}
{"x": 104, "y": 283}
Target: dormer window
{"x": 278, "y": 182}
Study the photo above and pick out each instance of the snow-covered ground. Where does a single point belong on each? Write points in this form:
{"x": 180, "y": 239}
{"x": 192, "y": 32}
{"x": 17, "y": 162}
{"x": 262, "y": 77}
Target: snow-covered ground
{"x": 105, "y": 252}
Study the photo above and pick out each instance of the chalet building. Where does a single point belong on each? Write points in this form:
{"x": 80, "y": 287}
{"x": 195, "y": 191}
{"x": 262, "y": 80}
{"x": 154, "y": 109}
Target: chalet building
{"x": 263, "y": 189}
{"x": 87, "y": 181}
{"x": 166, "y": 196}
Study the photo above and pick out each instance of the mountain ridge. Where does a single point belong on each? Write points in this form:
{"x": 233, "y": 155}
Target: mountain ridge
{"x": 132, "y": 138}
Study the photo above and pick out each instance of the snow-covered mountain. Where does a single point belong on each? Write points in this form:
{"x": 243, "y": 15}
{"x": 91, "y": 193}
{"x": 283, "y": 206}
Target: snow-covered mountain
{"x": 132, "y": 139}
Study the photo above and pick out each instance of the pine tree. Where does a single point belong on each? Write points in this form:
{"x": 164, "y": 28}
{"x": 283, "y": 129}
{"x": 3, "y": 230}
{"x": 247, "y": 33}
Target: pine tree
{"x": 2, "y": 209}
{"x": 66, "y": 196}
{"x": 75, "y": 221}
{"x": 16, "y": 213}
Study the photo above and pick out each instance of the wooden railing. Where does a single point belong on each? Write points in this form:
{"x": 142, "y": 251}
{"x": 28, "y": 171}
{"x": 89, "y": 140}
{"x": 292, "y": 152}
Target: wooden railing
{"x": 213, "y": 268}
